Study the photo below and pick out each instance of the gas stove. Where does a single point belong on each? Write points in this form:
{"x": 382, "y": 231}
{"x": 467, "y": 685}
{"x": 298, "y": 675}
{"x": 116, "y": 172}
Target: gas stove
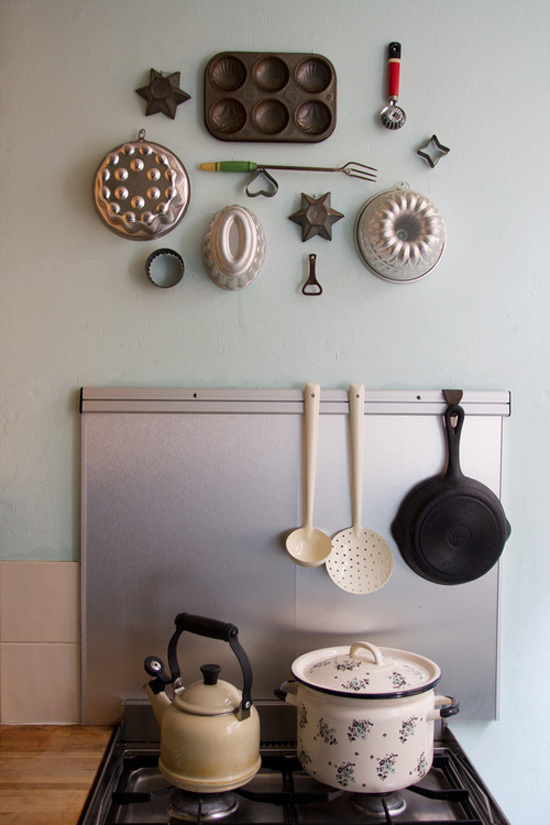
{"x": 130, "y": 788}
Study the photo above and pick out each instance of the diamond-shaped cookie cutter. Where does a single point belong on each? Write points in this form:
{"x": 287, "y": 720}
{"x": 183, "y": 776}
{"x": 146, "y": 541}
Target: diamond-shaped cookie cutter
{"x": 432, "y": 151}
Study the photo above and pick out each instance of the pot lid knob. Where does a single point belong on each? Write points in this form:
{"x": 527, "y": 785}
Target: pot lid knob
{"x": 378, "y": 658}
{"x": 210, "y": 674}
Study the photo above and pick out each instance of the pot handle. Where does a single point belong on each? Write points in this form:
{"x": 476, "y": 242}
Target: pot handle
{"x": 445, "y": 706}
{"x": 378, "y": 658}
{"x": 282, "y": 692}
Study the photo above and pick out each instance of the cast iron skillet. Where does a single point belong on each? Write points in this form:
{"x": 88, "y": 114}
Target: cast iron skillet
{"x": 451, "y": 529}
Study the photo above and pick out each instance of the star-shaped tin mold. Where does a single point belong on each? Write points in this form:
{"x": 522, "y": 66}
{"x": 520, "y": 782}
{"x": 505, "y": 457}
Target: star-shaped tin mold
{"x": 163, "y": 93}
{"x": 316, "y": 217}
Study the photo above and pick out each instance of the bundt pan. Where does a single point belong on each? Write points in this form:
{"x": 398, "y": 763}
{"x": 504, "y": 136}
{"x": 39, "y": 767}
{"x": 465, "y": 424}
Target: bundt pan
{"x": 451, "y": 529}
{"x": 399, "y": 235}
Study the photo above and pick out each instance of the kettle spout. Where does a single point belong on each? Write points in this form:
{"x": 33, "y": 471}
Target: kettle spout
{"x": 159, "y": 702}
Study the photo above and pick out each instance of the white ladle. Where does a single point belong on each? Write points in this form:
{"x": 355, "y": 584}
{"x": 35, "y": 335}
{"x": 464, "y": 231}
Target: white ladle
{"x": 308, "y": 546}
{"x": 361, "y": 560}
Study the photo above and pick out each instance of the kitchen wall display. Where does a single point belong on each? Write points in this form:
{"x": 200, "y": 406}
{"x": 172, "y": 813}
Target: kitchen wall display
{"x": 163, "y": 94}
{"x": 141, "y": 190}
{"x": 283, "y": 97}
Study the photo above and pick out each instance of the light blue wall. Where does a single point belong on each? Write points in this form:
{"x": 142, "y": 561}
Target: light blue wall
{"x": 76, "y": 308}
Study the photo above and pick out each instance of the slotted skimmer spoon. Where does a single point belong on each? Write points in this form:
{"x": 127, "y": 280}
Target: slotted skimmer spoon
{"x": 308, "y": 546}
{"x": 392, "y": 116}
{"x": 361, "y": 560}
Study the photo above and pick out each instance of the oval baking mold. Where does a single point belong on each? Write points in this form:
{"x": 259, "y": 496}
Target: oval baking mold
{"x": 258, "y": 96}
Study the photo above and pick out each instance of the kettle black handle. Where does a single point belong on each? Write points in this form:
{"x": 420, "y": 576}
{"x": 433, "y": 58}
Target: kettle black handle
{"x": 203, "y": 626}
{"x": 213, "y": 629}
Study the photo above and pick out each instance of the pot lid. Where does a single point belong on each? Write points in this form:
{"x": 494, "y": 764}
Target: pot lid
{"x": 366, "y": 671}
{"x": 209, "y": 697}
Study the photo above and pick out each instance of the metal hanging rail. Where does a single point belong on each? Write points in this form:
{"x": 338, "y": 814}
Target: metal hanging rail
{"x": 284, "y": 401}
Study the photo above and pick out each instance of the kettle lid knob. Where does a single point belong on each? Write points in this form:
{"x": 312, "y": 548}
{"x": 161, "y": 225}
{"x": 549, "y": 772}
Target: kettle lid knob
{"x": 210, "y": 674}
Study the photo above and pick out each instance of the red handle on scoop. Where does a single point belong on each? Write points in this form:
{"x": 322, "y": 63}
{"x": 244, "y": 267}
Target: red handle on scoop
{"x": 394, "y": 69}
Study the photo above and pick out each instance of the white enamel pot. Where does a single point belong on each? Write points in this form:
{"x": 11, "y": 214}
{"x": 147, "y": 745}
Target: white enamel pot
{"x": 365, "y": 716}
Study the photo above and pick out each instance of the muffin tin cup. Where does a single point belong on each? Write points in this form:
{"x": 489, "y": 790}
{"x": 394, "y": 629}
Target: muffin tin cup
{"x": 257, "y": 96}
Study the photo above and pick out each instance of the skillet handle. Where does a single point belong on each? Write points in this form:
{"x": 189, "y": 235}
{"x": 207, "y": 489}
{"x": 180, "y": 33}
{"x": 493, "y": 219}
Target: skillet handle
{"x": 454, "y": 419}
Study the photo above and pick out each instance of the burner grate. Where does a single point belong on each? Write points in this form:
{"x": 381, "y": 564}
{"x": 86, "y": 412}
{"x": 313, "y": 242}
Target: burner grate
{"x": 131, "y": 790}
{"x": 143, "y": 797}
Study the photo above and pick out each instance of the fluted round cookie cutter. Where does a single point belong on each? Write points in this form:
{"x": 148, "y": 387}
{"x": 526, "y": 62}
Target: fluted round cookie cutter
{"x": 165, "y": 268}
{"x": 141, "y": 190}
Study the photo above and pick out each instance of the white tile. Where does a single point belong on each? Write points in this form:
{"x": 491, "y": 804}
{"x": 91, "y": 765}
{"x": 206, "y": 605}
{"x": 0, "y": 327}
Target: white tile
{"x": 40, "y": 684}
{"x": 39, "y": 601}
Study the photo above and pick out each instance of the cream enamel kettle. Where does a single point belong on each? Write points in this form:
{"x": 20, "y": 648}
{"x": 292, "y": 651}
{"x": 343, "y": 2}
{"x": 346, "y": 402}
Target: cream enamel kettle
{"x": 210, "y": 730}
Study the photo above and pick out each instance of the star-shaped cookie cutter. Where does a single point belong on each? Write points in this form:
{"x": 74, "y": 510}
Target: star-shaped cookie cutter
{"x": 432, "y": 151}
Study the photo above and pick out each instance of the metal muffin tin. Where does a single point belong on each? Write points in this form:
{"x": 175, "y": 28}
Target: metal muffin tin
{"x": 259, "y": 96}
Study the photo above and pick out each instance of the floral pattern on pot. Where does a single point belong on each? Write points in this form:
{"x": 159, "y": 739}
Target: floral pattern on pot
{"x": 398, "y": 680}
{"x": 422, "y": 767}
{"x": 345, "y": 773}
{"x": 351, "y": 664}
{"x": 324, "y": 663}
{"x": 327, "y": 734}
{"x": 408, "y": 728}
{"x": 356, "y": 685}
{"x": 386, "y": 765}
{"x": 302, "y": 716}
{"x": 304, "y": 758}
{"x": 359, "y": 729}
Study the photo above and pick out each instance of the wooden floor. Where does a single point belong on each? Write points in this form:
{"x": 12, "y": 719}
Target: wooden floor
{"x": 46, "y": 771}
